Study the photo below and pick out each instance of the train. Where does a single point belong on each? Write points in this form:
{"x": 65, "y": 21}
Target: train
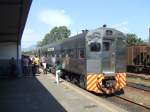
{"x": 138, "y": 60}
{"x": 95, "y": 60}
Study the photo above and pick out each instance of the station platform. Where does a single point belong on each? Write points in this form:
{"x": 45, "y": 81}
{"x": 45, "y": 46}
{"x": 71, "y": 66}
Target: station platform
{"x": 42, "y": 94}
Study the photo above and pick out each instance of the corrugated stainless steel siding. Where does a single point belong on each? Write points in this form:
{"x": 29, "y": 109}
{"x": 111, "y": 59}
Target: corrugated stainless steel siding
{"x": 93, "y": 66}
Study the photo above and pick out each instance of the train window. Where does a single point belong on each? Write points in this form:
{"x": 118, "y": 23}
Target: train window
{"x": 70, "y": 53}
{"x": 95, "y": 47}
{"x": 106, "y": 46}
{"x": 108, "y": 32}
{"x": 63, "y": 53}
{"x": 81, "y": 53}
{"x": 74, "y": 53}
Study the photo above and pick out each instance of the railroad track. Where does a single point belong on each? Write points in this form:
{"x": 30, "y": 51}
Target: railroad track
{"x": 141, "y": 76}
{"x": 128, "y": 100}
{"x": 138, "y": 86}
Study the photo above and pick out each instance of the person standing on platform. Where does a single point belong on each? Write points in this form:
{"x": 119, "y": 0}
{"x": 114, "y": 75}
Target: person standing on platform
{"x": 26, "y": 65}
{"x": 43, "y": 61}
{"x": 12, "y": 68}
{"x": 37, "y": 64}
{"x": 58, "y": 71}
{"x": 30, "y": 66}
{"x": 33, "y": 66}
{"x": 53, "y": 60}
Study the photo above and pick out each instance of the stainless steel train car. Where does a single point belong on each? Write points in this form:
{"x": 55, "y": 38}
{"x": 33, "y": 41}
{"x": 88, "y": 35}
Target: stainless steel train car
{"x": 95, "y": 60}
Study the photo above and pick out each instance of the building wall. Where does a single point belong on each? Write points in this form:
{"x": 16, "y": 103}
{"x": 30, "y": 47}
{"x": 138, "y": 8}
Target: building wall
{"x": 7, "y": 51}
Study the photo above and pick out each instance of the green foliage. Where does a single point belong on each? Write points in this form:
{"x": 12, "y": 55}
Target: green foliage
{"x": 56, "y": 34}
{"x": 132, "y": 39}
{"x": 27, "y": 53}
{"x": 40, "y": 43}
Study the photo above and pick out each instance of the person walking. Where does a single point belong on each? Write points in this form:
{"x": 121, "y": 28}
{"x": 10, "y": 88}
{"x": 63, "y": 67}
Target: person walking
{"x": 58, "y": 71}
{"x": 12, "y": 68}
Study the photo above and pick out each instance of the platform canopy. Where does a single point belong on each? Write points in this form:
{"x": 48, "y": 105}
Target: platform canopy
{"x": 13, "y": 16}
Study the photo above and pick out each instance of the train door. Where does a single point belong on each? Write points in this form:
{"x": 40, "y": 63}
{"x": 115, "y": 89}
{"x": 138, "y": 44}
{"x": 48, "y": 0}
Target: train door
{"x": 108, "y": 57}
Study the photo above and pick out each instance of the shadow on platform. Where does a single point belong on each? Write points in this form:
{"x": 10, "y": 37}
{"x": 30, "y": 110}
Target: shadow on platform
{"x": 26, "y": 95}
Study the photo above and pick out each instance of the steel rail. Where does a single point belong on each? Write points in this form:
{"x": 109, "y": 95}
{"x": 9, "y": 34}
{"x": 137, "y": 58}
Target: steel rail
{"x": 125, "y": 99}
{"x": 138, "y": 86}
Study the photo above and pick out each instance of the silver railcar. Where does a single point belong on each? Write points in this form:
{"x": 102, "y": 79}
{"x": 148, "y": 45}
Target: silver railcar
{"x": 95, "y": 60}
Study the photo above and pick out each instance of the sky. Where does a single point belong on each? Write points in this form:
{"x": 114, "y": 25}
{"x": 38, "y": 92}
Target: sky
{"x": 128, "y": 16}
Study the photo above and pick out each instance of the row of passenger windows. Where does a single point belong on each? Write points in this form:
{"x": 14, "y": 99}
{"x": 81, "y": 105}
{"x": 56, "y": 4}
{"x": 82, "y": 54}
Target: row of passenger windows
{"x": 73, "y": 53}
{"x": 80, "y": 52}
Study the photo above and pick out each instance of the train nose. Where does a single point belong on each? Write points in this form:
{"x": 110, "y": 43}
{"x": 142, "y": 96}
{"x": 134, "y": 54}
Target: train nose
{"x": 108, "y": 85}
{"x": 108, "y": 82}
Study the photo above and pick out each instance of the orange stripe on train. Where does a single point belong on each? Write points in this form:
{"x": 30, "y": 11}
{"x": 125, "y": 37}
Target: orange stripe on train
{"x": 93, "y": 87}
{"x": 122, "y": 76}
{"x": 121, "y": 79}
{"x": 92, "y": 82}
{"x": 89, "y": 77}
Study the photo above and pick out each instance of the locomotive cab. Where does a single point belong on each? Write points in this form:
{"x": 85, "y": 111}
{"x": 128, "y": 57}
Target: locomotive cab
{"x": 108, "y": 58}
{"x": 106, "y": 52}
{"x": 108, "y": 62}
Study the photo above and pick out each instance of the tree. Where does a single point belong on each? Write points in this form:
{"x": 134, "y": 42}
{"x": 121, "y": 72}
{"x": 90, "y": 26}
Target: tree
{"x": 59, "y": 33}
{"x": 55, "y": 35}
{"x": 44, "y": 40}
{"x": 132, "y": 39}
{"x": 39, "y": 43}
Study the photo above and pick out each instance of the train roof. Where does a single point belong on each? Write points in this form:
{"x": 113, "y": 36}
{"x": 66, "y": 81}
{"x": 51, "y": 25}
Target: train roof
{"x": 66, "y": 41}
{"x": 81, "y": 36}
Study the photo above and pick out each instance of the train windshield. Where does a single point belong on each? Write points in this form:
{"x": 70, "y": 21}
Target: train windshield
{"x": 106, "y": 46}
{"x": 95, "y": 47}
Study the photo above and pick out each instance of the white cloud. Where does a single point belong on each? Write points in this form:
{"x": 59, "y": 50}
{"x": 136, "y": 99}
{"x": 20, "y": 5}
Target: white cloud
{"x": 55, "y": 18}
{"x": 123, "y": 26}
{"x": 49, "y": 17}
{"x": 30, "y": 38}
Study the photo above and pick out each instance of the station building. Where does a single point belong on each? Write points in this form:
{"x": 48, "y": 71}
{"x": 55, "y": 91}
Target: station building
{"x": 12, "y": 22}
